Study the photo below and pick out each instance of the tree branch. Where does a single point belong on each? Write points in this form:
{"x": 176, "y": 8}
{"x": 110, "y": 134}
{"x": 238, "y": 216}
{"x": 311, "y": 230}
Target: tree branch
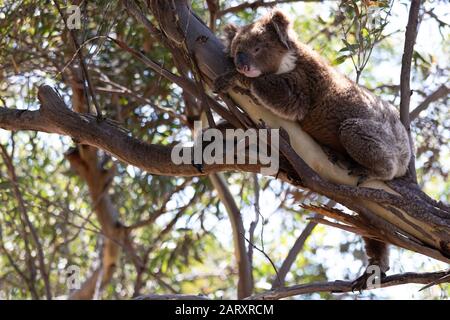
{"x": 85, "y": 162}
{"x": 88, "y": 84}
{"x": 27, "y": 221}
{"x": 441, "y": 92}
{"x": 245, "y": 285}
{"x": 340, "y": 286}
{"x": 292, "y": 255}
{"x": 171, "y": 297}
{"x": 55, "y": 117}
{"x": 405, "y": 75}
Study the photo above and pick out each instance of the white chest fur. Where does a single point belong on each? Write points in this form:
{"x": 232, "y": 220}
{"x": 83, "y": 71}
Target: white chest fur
{"x": 287, "y": 63}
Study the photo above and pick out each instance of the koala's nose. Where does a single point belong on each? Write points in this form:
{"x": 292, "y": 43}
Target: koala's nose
{"x": 242, "y": 60}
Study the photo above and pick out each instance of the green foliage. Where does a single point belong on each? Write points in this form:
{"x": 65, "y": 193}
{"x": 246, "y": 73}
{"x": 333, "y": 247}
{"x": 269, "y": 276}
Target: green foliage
{"x": 362, "y": 28}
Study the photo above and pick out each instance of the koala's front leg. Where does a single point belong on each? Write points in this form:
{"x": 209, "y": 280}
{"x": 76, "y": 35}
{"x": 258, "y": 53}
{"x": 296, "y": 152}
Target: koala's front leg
{"x": 281, "y": 95}
{"x": 228, "y": 80}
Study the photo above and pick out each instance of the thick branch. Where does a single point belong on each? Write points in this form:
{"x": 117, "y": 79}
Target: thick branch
{"x": 399, "y": 214}
{"x": 55, "y": 117}
{"x": 171, "y": 297}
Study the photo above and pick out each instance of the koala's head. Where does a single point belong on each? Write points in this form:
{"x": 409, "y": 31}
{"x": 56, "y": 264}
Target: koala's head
{"x": 263, "y": 47}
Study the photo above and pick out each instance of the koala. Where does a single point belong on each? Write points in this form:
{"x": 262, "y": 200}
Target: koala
{"x": 294, "y": 82}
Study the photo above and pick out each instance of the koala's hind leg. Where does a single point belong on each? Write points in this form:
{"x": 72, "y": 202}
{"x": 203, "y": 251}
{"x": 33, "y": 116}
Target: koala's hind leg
{"x": 378, "y": 263}
{"x": 371, "y": 146}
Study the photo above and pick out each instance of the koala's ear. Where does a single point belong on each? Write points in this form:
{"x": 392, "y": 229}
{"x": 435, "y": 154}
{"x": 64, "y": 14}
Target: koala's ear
{"x": 281, "y": 23}
{"x": 229, "y": 32}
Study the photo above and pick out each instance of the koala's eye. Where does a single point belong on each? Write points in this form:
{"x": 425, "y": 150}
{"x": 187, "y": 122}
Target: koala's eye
{"x": 257, "y": 49}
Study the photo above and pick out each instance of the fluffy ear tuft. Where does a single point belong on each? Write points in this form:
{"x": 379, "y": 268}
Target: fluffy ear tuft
{"x": 229, "y": 32}
{"x": 279, "y": 18}
{"x": 281, "y": 23}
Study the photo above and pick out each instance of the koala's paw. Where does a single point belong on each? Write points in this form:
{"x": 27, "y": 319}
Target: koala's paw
{"x": 361, "y": 283}
{"x": 244, "y": 82}
{"x": 223, "y": 83}
{"x": 361, "y": 173}
{"x": 331, "y": 154}
{"x": 285, "y": 135}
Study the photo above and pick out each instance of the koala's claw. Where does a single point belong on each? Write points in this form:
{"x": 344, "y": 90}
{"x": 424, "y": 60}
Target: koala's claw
{"x": 361, "y": 180}
{"x": 285, "y": 135}
{"x": 333, "y": 158}
{"x": 331, "y": 154}
{"x": 223, "y": 82}
{"x": 220, "y": 85}
{"x": 360, "y": 283}
{"x": 361, "y": 173}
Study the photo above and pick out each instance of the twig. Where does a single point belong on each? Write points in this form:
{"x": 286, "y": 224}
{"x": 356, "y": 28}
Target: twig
{"x": 265, "y": 255}
{"x": 213, "y": 7}
{"x": 292, "y": 255}
{"x": 442, "y": 92}
{"x": 254, "y": 223}
{"x": 23, "y": 210}
{"x": 82, "y": 63}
